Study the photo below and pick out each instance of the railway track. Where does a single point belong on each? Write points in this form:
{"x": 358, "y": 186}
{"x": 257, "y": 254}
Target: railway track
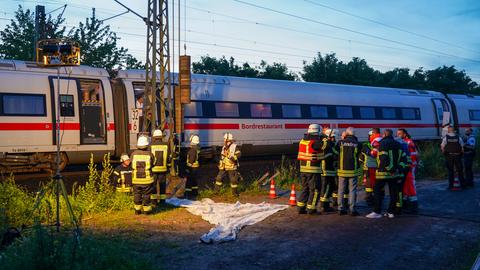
{"x": 250, "y": 167}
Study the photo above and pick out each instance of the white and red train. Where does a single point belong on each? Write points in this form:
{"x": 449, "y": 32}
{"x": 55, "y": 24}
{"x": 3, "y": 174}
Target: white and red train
{"x": 97, "y": 114}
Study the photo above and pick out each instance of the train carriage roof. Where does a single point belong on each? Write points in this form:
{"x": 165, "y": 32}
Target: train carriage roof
{"x": 27, "y": 66}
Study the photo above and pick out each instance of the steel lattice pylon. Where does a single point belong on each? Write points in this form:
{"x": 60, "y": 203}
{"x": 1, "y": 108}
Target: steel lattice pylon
{"x": 156, "y": 104}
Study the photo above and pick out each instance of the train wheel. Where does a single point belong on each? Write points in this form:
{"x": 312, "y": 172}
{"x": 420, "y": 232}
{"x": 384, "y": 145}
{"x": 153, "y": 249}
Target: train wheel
{"x": 52, "y": 162}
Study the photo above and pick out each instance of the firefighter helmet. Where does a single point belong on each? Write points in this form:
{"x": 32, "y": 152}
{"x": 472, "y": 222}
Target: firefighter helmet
{"x": 314, "y": 128}
{"x": 194, "y": 139}
{"x": 157, "y": 133}
{"x": 124, "y": 157}
{"x": 142, "y": 141}
{"x": 228, "y": 136}
{"x": 330, "y": 132}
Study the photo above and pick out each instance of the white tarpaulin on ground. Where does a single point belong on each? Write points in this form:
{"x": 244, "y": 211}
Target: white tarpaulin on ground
{"x": 228, "y": 218}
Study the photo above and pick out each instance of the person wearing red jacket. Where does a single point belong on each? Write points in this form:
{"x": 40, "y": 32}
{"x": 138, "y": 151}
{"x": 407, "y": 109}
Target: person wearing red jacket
{"x": 409, "y": 190}
{"x": 375, "y": 137}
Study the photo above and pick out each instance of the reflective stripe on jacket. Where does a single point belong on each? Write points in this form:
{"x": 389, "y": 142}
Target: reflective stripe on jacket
{"x": 192, "y": 157}
{"x": 160, "y": 153}
{"x": 348, "y": 154}
{"x": 230, "y": 156}
{"x": 142, "y": 166}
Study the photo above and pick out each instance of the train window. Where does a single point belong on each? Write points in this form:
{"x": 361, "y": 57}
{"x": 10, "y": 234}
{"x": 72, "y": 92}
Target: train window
{"x": 92, "y": 112}
{"x": 66, "y": 105}
{"x": 291, "y": 111}
{"x": 261, "y": 110}
{"x": 344, "y": 112}
{"x": 224, "y": 109}
{"x": 409, "y": 113}
{"x": 367, "y": 113}
{"x": 22, "y": 105}
{"x": 475, "y": 115}
{"x": 194, "y": 109}
{"x": 319, "y": 111}
{"x": 389, "y": 113}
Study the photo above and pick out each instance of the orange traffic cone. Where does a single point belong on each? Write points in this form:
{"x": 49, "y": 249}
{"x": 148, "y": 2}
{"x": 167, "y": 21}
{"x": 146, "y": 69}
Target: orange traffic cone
{"x": 293, "y": 197}
{"x": 273, "y": 194}
{"x": 456, "y": 184}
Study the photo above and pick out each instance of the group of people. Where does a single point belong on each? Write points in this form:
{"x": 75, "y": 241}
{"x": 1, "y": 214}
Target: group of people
{"x": 459, "y": 154}
{"x": 145, "y": 171}
{"x": 330, "y": 170}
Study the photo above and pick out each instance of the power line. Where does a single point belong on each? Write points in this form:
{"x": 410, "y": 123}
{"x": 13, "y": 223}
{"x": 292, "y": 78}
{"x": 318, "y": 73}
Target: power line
{"x": 350, "y": 30}
{"x": 389, "y": 26}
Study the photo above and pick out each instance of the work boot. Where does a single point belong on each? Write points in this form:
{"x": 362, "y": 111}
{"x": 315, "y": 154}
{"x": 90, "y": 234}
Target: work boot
{"x": 312, "y": 211}
{"x": 327, "y": 208}
{"x": 354, "y": 213}
{"x": 235, "y": 192}
{"x": 301, "y": 210}
{"x": 217, "y": 188}
{"x": 138, "y": 212}
{"x": 342, "y": 212}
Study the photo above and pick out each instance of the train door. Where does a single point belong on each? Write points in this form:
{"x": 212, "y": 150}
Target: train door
{"x": 69, "y": 110}
{"x": 92, "y": 112}
{"x": 443, "y": 115}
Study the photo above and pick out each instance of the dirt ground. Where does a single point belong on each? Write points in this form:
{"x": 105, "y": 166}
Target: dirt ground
{"x": 446, "y": 235}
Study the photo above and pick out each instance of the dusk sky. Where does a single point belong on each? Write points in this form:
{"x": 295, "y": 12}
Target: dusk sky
{"x": 387, "y": 34}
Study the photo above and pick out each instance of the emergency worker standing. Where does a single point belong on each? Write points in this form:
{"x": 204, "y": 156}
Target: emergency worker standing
{"x": 122, "y": 175}
{"x": 311, "y": 152}
{"x": 410, "y": 200}
{"x": 329, "y": 171}
{"x": 191, "y": 187}
{"x": 161, "y": 153}
{"x": 391, "y": 159}
{"x": 369, "y": 166}
{"x": 452, "y": 148}
{"x": 142, "y": 178}
{"x": 468, "y": 156}
{"x": 348, "y": 150}
{"x": 228, "y": 164}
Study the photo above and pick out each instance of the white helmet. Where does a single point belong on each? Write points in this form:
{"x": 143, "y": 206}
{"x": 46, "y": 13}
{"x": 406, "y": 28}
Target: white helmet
{"x": 194, "y": 139}
{"x": 124, "y": 157}
{"x": 314, "y": 128}
{"x": 142, "y": 141}
{"x": 157, "y": 133}
{"x": 228, "y": 136}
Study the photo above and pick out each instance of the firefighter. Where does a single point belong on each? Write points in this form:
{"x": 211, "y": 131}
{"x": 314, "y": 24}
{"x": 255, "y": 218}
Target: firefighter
{"x": 468, "y": 156}
{"x": 161, "y": 154}
{"x": 228, "y": 164}
{"x": 311, "y": 151}
{"x": 452, "y": 148}
{"x": 410, "y": 200}
{"x": 142, "y": 179}
{"x": 348, "y": 150}
{"x": 369, "y": 167}
{"x": 191, "y": 187}
{"x": 329, "y": 172}
{"x": 390, "y": 160}
{"x": 122, "y": 175}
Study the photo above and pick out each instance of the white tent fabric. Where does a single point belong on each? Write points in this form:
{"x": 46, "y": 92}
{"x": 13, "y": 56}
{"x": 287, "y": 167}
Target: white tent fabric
{"x": 228, "y": 218}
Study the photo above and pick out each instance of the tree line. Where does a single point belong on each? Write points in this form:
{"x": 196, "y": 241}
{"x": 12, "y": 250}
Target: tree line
{"x": 100, "y": 48}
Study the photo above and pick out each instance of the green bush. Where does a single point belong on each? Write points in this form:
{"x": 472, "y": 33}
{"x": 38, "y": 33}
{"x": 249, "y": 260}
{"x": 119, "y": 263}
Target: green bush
{"x": 15, "y": 204}
{"x": 42, "y": 248}
{"x": 432, "y": 161}
{"x": 289, "y": 173}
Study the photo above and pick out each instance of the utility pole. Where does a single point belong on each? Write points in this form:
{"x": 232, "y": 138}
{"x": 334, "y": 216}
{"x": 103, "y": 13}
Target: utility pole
{"x": 158, "y": 59}
{"x": 39, "y": 28}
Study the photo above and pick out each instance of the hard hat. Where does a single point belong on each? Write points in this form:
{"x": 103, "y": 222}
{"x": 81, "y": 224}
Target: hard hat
{"x": 194, "y": 139}
{"x": 157, "y": 133}
{"x": 228, "y": 136}
{"x": 124, "y": 157}
{"x": 314, "y": 128}
{"x": 370, "y": 133}
{"x": 331, "y": 132}
{"x": 142, "y": 141}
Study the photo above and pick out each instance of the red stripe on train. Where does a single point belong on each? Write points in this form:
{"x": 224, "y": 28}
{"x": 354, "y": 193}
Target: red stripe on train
{"x": 45, "y": 126}
{"x": 211, "y": 126}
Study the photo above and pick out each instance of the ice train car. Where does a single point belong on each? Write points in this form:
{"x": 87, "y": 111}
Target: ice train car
{"x": 98, "y": 115}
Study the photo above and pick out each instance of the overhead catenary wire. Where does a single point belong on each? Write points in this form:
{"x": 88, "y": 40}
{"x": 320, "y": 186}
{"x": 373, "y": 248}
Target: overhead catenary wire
{"x": 389, "y": 26}
{"x": 351, "y": 30}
